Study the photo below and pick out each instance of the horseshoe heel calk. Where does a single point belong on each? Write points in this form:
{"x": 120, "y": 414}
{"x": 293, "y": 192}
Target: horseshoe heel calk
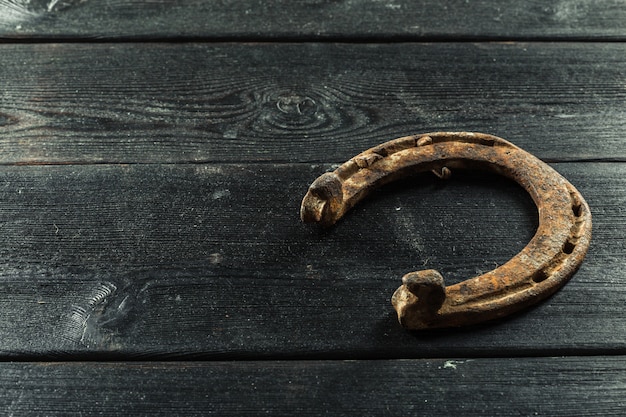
{"x": 538, "y": 271}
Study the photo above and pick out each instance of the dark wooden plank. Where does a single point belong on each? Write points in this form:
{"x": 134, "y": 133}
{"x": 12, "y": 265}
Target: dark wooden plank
{"x": 574, "y": 386}
{"x": 212, "y": 261}
{"x": 86, "y": 103}
{"x": 312, "y": 19}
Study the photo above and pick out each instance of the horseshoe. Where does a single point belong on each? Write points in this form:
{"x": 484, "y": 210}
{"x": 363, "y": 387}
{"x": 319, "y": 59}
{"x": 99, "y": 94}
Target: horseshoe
{"x": 423, "y": 301}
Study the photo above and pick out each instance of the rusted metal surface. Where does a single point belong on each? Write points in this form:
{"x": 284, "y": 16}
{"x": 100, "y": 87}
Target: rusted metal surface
{"x": 539, "y": 270}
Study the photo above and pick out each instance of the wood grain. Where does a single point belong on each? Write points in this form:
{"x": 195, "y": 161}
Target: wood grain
{"x": 211, "y": 261}
{"x": 152, "y": 103}
{"x": 154, "y": 154}
{"x": 580, "y": 386}
{"x": 311, "y": 19}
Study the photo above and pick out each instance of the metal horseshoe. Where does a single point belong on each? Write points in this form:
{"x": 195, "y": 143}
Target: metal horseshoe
{"x": 538, "y": 271}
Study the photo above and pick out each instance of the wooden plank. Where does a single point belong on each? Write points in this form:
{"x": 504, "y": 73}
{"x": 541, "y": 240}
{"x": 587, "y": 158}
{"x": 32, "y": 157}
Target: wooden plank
{"x": 308, "y": 19}
{"x": 581, "y": 386}
{"x": 211, "y": 261}
{"x": 84, "y": 103}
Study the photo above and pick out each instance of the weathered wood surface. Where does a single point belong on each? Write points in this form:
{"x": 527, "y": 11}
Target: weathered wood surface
{"x": 149, "y": 197}
{"x": 574, "y": 386}
{"x": 211, "y": 261}
{"x": 312, "y": 19}
{"x": 95, "y": 103}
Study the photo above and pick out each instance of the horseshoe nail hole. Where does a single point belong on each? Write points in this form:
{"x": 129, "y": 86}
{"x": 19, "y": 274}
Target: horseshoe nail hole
{"x": 568, "y": 247}
{"x": 487, "y": 142}
{"x": 540, "y": 276}
{"x": 577, "y": 209}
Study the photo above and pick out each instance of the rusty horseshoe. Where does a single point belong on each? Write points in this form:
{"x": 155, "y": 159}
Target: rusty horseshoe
{"x": 423, "y": 301}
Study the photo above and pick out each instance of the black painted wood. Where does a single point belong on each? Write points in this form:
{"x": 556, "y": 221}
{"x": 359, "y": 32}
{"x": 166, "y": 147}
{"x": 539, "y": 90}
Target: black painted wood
{"x": 211, "y": 261}
{"x": 574, "y": 386}
{"x": 185, "y": 243}
{"x": 312, "y": 19}
{"x": 94, "y": 103}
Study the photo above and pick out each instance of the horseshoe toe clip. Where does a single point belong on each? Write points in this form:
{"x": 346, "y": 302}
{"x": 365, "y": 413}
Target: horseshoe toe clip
{"x": 538, "y": 271}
